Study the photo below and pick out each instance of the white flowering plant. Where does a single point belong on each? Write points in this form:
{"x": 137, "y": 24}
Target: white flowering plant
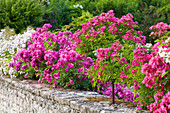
{"x": 11, "y": 44}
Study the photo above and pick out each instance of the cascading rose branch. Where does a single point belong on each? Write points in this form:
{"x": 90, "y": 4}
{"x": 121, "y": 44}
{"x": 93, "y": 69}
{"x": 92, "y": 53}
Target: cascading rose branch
{"x": 160, "y": 70}
{"x": 52, "y": 58}
{"x": 151, "y": 72}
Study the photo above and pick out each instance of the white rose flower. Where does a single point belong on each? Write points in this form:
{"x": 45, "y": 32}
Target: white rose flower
{"x": 167, "y": 40}
{"x": 148, "y": 45}
{"x": 95, "y": 53}
{"x": 167, "y": 60}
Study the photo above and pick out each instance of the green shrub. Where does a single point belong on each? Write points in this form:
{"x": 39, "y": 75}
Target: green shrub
{"x": 165, "y": 9}
{"x": 77, "y": 22}
{"x": 61, "y": 14}
{"x": 19, "y": 14}
{"x": 149, "y": 13}
{"x": 120, "y": 7}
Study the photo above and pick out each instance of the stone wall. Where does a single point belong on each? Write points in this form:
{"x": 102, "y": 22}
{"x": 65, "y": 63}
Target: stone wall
{"x": 26, "y": 96}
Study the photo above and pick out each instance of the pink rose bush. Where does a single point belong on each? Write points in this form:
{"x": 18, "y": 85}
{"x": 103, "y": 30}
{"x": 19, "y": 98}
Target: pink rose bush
{"x": 110, "y": 41}
{"x": 52, "y": 59}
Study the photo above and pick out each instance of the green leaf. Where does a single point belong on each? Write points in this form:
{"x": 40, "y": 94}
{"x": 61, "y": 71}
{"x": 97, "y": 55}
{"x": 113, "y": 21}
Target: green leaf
{"x": 164, "y": 74}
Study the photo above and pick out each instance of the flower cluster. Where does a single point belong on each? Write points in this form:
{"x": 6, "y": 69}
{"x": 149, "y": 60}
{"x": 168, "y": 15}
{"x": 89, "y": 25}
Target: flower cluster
{"x": 163, "y": 106}
{"x": 120, "y": 92}
{"x": 152, "y": 69}
{"x": 160, "y": 29}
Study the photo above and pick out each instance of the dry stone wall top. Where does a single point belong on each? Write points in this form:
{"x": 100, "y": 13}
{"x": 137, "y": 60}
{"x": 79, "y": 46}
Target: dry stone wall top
{"x": 27, "y": 96}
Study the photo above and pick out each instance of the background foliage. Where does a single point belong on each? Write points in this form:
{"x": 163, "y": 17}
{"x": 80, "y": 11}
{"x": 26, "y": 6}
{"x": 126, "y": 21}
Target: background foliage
{"x": 61, "y": 13}
{"x": 77, "y": 22}
{"x": 19, "y": 14}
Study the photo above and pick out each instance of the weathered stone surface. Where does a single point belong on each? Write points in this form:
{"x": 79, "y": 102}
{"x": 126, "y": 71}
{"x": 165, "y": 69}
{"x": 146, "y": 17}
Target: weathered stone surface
{"x": 26, "y": 96}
